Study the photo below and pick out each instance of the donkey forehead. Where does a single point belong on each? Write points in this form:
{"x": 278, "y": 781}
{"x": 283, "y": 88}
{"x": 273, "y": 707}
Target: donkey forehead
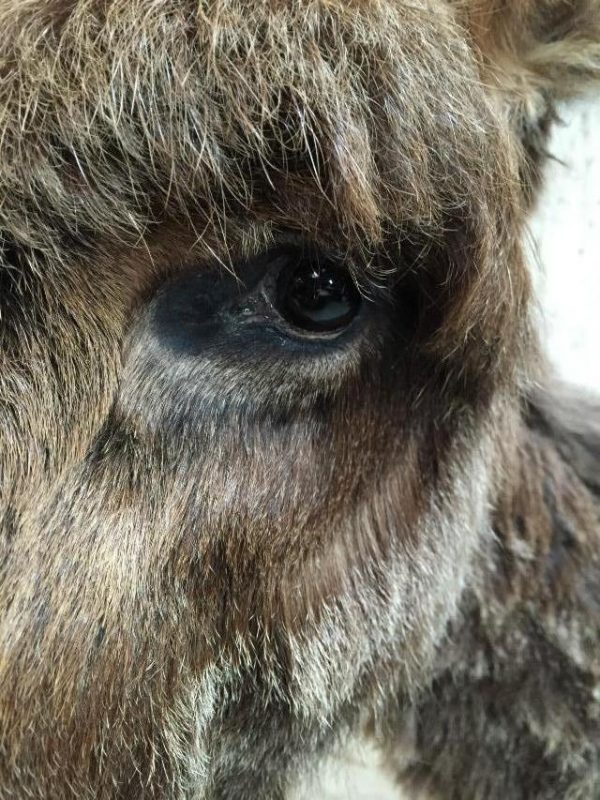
{"x": 333, "y": 116}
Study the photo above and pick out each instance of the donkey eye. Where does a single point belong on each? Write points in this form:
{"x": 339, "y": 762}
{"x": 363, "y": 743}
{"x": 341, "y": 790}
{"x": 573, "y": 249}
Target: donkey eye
{"x": 318, "y": 295}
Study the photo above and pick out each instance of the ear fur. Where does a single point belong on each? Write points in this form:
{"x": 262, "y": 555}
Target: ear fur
{"x": 536, "y": 53}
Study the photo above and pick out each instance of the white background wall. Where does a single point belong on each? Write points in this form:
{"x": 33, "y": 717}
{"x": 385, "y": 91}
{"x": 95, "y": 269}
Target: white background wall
{"x": 566, "y": 229}
{"x": 565, "y": 254}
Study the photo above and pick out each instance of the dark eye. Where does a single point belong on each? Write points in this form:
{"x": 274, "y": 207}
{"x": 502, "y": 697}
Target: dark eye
{"x": 318, "y": 295}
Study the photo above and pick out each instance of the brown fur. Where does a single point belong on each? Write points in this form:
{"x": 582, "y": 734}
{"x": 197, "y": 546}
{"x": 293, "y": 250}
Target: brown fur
{"x": 535, "y": 52}
{"x": 218, "y": 564}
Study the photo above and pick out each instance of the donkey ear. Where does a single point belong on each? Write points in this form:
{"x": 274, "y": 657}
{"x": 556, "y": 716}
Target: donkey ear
{"x": 537, "y": 53}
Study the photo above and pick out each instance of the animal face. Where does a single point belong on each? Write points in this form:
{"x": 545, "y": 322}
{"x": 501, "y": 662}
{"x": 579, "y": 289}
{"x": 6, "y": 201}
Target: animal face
{"x": 264, "y": 321}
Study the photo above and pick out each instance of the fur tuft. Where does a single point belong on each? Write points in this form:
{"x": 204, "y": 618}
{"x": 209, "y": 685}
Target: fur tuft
{"x": 537, "y": 53}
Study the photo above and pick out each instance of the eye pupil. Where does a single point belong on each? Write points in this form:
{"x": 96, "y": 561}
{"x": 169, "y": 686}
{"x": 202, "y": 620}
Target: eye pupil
{"x": 318, "y": 296}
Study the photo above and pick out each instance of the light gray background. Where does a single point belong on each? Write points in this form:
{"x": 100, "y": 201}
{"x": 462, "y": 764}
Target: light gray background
{"x": 564, "y": 250}
{"x": 566, "y": 230}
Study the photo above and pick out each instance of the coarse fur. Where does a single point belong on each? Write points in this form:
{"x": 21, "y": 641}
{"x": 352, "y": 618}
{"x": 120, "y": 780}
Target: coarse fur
{"x": 227, "y": 548}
